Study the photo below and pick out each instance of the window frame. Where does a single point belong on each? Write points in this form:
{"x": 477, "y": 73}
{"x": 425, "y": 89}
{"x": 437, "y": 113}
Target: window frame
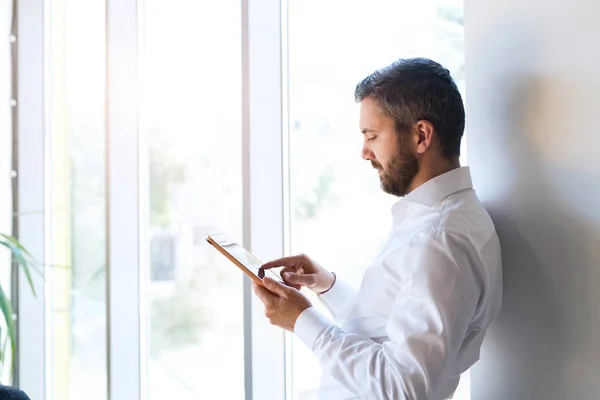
{"x": 32, "y": 160}
{"x": 265, "y": 207}
{"x": 125, "y": 218}
{"x": 265, "y": 195}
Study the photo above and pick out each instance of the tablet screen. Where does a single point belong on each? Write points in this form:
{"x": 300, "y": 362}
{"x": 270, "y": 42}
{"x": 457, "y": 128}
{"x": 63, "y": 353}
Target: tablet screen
{"x": 243, "y": 256}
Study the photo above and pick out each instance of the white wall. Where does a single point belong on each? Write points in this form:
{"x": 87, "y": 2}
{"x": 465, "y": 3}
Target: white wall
{"x": 533, "y": 101}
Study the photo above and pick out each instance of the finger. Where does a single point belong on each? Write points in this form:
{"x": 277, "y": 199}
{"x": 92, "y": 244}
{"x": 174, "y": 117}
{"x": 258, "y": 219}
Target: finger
{"x": 291, "y": 269}
{"x": 308, "y": 280}
{"x": 297, "y": 287}
{"x": 263, "y": 294}
{"x": 276, "y": 287}
{"x": 283, "y": 272}
{"x": 284, "y": 262}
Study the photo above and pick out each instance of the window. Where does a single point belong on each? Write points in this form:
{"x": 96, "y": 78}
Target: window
{"x": 336, "y": 200}
{"x": 181, "y": 102}
{"x": 77, "y": 200}
{"x": 191, "y": 120}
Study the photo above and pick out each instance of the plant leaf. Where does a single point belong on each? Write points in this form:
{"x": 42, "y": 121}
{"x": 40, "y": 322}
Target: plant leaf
{"x": 2, "y": 349}
{"x": 33, "y": 261}
{"x": 16, "y": 251}
{"x": 17, "y": 244}
{"x": 4, "y": 343}
{"x": 6, "y": 308}
{"x": 99, "y": 272}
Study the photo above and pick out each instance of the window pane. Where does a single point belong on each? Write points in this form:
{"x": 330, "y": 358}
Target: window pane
{"x": 334, "y": 193}
{"x": 191, "y": 117}
{"x": 77, "y": 199}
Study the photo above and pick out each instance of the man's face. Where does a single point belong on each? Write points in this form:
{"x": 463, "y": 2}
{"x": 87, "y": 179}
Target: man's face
{"x": 393, "y": 158}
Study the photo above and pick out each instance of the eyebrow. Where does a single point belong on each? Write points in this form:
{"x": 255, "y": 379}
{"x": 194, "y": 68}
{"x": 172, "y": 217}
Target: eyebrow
{"x": 367, "y": 130}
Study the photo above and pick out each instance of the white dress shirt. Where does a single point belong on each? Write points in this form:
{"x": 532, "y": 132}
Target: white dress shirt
{"x": 419, "y": 317}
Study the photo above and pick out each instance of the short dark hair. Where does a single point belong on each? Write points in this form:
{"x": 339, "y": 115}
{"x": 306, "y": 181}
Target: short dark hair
{"x": 414, "y": 89}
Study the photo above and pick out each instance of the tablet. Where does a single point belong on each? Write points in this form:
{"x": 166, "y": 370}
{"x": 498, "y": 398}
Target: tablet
{"x": 241, "y": 257}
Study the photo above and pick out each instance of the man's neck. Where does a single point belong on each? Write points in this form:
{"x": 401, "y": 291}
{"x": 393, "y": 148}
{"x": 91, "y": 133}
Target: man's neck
{"x": 432, "y": 170}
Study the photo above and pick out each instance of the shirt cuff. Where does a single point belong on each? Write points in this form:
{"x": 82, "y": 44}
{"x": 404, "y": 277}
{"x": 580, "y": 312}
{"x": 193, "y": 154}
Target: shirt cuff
{"x": 309, "y": 325}
{"x": 338, "y": 297}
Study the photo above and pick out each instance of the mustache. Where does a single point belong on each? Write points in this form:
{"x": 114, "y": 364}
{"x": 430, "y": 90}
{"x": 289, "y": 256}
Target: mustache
{"x": 376, "y": 165}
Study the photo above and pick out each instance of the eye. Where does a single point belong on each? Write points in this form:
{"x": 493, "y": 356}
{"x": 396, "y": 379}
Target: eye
{"x": 372, "y": 138}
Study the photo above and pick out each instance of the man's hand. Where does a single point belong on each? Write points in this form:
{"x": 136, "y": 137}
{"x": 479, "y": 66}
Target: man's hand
{"x": 283, "y": 304}
{"x": 302, "y": 271}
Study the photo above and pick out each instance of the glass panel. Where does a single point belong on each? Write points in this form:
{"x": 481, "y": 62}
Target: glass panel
{"x": 77, "y": 199}
{"x": 334, "y": 193}
{"x": 191, "y": 117}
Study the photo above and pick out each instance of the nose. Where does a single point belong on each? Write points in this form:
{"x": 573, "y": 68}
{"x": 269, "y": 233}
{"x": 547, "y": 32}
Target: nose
{"x": 366, "y": 153}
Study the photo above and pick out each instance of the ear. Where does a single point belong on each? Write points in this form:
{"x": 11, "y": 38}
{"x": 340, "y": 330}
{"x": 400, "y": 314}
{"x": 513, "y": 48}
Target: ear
{"x": 424, "y": 133}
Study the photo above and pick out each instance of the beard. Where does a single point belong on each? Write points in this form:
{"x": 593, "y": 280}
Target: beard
{"x": 399, "y": 173}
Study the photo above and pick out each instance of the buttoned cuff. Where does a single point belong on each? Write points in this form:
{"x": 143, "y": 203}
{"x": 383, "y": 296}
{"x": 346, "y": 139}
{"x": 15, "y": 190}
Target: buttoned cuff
{"x": 309, "y": 325}
{"x": 339, "y": 296}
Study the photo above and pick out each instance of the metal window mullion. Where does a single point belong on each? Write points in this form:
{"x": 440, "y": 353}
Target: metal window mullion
{"x": 124, "y": 217}
{"x": 31, "y": 164}
{"x": 263, "y": 185}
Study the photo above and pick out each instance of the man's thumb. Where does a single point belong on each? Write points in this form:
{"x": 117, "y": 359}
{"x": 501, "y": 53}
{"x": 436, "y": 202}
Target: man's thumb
{"x": 274, "y": 286}
{"x": 299, "y": 279}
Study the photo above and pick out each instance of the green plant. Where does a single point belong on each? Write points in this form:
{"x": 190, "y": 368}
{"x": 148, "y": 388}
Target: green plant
{"x": 26, "y": 261}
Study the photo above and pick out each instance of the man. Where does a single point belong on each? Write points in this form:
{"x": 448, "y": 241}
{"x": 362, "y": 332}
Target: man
{"x": 418, "y": 320}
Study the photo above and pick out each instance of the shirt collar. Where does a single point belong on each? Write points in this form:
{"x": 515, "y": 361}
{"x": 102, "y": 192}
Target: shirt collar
{"x": 438, "y": 188}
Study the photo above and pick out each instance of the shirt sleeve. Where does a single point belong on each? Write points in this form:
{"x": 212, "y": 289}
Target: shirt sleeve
{"x": 438, "y": 296}
{"x": 339, "y": 299}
